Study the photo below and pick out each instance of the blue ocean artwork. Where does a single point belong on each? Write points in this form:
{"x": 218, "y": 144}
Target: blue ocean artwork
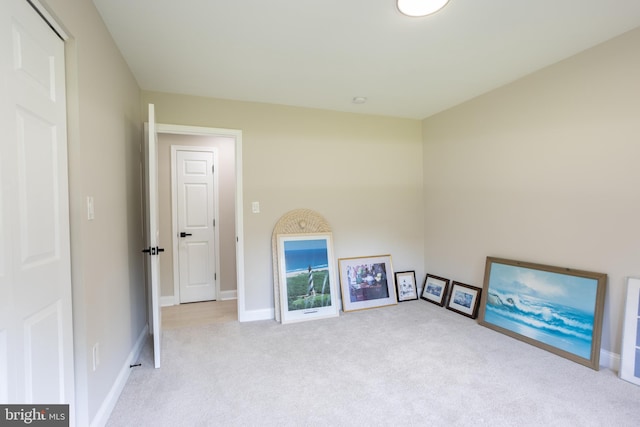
{"x": 553, "y": 308}
{"x": 434, "y": 289}
{"x": 299, "y": 255}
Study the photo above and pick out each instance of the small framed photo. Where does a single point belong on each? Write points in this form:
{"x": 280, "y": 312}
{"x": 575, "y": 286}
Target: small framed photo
{"x": 435, "y": 289}
{"x": 366, "y": 282}
{"x": 406, "y": 285}
{"x": 308, "y": 287}
{"x": 464, "y": 299}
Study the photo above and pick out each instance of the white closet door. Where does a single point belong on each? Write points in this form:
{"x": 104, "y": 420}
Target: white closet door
{"x": 36, "y": 339}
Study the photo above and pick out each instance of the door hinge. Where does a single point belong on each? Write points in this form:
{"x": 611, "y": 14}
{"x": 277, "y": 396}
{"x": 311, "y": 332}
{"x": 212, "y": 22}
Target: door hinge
{"x": 213, "y": 169}
{"x": 215, "y": 276}
{"x": 214, "y": 222}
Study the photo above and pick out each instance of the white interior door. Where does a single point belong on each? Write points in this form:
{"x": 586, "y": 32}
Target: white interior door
{"x": 36, "y": 335}
{"x": 153, "y": 232}
{"x": 194, "y": 172}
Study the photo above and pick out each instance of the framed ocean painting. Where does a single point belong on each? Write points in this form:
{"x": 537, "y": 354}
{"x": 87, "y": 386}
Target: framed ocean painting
{"x": 434, "y": 289}
{"x": 557, "y": 309}
{"x": 307, "y": 276}
{"x": 464, "y": 299}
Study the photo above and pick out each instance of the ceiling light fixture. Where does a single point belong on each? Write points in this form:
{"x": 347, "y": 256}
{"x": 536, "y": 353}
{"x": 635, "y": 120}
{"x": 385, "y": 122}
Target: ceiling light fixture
{"x": 359, "y": 100}
{"x": 420, "y": 7}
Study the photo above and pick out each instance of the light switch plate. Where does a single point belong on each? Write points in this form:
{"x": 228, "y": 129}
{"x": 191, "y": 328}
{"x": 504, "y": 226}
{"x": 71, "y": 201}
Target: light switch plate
{"x": 90, "y": 209}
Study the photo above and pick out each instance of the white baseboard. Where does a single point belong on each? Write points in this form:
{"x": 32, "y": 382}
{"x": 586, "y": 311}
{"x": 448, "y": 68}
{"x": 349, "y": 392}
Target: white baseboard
{"x": 168, "y": 301}
{"x": 103, "y": 414}
{"x": 254, "y": 315}
{"x": 610, "y": 360}
{"x": 227, "y": 295}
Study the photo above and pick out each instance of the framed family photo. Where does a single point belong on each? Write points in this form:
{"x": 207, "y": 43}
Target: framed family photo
{"x": 367, "y": 282}
{"x": 434, "y": 289}
{"x": 554, "y": 308}
{"x": 308, "y": 287}
{"x": 406, "y": 285}
{"x": 464, "y": 299}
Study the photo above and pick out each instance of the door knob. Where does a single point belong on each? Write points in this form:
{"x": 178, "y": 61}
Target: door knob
{"x": 183, "y": 234}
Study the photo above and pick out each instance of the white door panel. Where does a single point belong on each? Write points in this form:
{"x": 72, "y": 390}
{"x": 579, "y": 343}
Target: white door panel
{"x": 36, "y": 335}
{"x": 43, "y": 334}
{"x": 38, "y": 190}
{"x": 196, "y": 208}
{"x": 4, "y": 365}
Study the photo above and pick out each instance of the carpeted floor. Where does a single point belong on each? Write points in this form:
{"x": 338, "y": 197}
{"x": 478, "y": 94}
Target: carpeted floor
{"x": 413, "y": 364}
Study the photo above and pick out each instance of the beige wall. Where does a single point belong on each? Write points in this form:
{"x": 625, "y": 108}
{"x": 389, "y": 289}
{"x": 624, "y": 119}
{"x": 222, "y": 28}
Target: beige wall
{"x": 542, "y": 170}
{"x": 226, "y": 206}
{"x": 105, "y": 132}
{"x": 362, "y": 173}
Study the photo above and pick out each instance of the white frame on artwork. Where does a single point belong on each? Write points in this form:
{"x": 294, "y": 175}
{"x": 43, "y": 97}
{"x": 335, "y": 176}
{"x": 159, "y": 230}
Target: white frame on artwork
{"x": 630, "y": 354}
{"x": 290, "y": 314}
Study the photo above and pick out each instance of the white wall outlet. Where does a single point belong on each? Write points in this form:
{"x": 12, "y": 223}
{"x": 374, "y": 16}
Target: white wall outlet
{"x": 255, "y": 207}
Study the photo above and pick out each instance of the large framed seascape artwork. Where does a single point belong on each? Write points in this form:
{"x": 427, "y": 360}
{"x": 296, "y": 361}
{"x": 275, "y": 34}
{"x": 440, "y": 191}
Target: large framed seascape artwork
{"x": 557, "y": 309}
{"x": 367, "y": 282}
{"x": 307, "y": 276}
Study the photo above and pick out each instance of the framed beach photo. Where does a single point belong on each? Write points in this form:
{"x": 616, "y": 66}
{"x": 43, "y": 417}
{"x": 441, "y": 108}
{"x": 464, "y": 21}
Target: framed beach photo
{"x": 366, "y": 282}
{"x": 406, "y": 286}
{"x": 464, "y": 299}
{"x": 434, "y": 289}
{"x": 630, "y": 354}
{"x": 308, "y": 287}
{"x": 554, "y": 308}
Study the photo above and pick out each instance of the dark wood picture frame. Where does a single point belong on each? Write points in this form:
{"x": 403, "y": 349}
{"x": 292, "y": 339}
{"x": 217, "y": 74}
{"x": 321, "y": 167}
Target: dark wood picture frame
{"x": 434, "y": 289}
{"x": 406, "y": 287}
{"x": 464, "y": 299}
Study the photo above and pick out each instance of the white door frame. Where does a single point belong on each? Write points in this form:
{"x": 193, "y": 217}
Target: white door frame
{"x": 237, "y": 135}
{"x": 175, "y": 240}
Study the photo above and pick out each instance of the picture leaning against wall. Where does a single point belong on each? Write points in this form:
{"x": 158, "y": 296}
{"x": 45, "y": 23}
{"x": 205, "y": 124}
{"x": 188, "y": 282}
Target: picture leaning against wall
{"x": 630, "y": 354}
{"x": 307, "y": 275}
{"x": 557, "y": 309}
{"x": 367, "y": 282}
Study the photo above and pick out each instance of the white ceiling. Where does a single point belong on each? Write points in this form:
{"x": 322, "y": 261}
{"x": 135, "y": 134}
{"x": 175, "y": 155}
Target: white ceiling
{"x": 323, "y": 53}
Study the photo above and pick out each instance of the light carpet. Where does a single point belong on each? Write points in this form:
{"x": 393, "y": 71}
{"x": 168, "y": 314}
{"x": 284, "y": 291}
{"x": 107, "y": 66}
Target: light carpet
{"x": 412, "y": 364}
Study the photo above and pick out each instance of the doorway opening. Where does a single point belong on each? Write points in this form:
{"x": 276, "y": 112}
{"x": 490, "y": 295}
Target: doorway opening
{"x": 225, "y": 144}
